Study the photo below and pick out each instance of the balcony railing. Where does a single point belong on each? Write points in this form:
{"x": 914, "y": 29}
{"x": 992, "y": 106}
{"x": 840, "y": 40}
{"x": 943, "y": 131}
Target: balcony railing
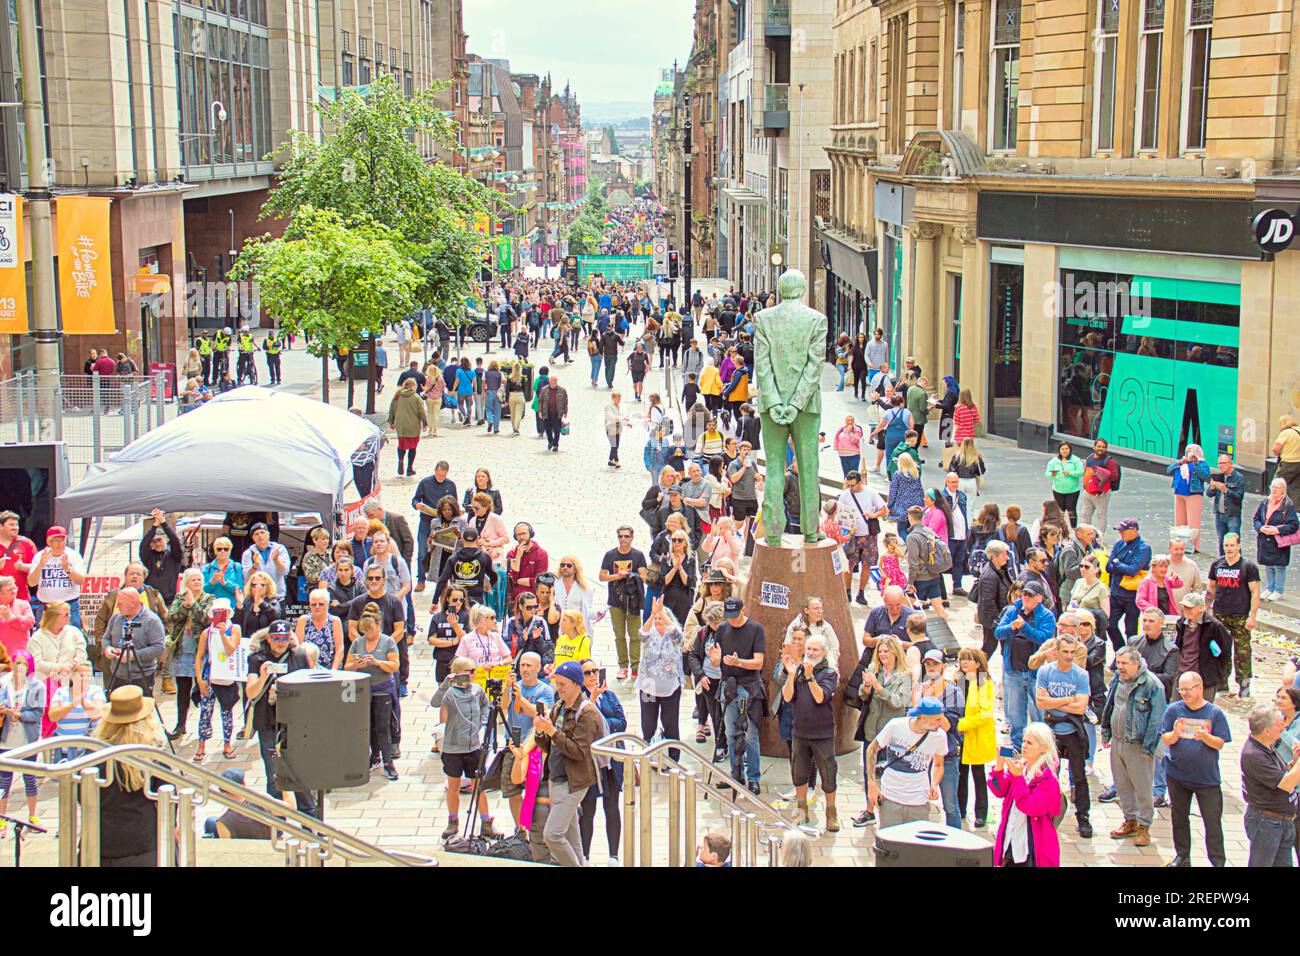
{"x": 776, "y": 98}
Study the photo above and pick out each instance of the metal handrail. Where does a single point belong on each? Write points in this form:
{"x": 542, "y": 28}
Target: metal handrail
{"x": 304, "y": 839}
{"x": 753, "y": 821}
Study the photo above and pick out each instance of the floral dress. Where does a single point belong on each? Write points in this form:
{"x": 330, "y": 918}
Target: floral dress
{"x": 322, "y": 637}
{"x": 313, "y": 567}
{"x": 891, "y": 572}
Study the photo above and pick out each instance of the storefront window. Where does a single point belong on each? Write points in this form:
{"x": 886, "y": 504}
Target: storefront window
{"x": 1147, "y": 363}
{"x": 1005, "y": 352}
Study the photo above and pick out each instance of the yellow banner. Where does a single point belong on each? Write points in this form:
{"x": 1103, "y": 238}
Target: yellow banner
{"x": 13, "y": 273}
{"x": 85, "y": 277}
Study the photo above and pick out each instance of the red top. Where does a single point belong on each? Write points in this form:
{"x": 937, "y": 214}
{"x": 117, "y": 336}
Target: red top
{"x": 964, "y": 420}
{"x": 534, "y": 562}
{"x": 22, "y": 550}
{"x": 105, "y": 366}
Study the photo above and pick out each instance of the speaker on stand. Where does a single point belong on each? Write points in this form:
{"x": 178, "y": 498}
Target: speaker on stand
{"x": 922, "y": 843}
{"x": 324, "y": 731}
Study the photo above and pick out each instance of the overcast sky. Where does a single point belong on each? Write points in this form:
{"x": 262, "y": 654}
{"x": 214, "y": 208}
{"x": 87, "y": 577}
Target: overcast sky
{"x": 611, "y": 50}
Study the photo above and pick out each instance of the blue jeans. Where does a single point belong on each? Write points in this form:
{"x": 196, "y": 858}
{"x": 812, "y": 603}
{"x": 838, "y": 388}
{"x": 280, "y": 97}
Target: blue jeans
{"x": 493, "y": 411}
{"x": 1274, "y": 577}
{"x": 850, "y": 463}
{"x": 595, "y": 367}
{"x": 948, "y": 790}
{"x": 652, "y": 591}
{"x": 744, "y": 747}
{"x": 1158, "y": 785}
{"x": 904, "y": 528}
{"x": 1271, "y": 840}
{"x": 1018, "y": 703}
{"x": 1223, "y": 525}
{"x": 958, "y": 549}
{"x": 74, "y": 617}
{"x": 422, "y": 549}
{"x": 842, "y": 369}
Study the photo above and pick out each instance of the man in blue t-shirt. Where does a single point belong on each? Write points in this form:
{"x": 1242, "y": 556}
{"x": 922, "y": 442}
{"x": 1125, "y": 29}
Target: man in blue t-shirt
{"x": 1061, "y": 692}
{"x": 1195, "y": 730}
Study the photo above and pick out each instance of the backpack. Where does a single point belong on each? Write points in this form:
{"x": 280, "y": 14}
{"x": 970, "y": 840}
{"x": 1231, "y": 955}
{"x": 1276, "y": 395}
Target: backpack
{"x": 976, "y": 562}
{"x": 935, "y": 556}
{"x": 1061, "y": 811}
{"x": 1013, "y": 556}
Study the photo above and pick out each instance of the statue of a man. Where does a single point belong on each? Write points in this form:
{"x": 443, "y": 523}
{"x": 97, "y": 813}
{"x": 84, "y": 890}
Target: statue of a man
{"x": 789, "y": 350}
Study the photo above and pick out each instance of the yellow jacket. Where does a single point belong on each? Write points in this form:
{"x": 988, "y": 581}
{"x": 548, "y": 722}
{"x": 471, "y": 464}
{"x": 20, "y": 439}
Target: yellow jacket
{"x": 710, "y": 381}
{"x": 980, "y": 745}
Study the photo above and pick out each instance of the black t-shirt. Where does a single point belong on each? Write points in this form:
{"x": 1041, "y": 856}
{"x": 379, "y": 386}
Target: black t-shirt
{"x": 1261, "y": 769}
{"x": 637, "y": 362}
{"x": 1232, "y": 586}
{"x": 745, "y": 641}
{"x": 391, "y": 610}
{"x": 440, "y": 627}
{"x": 415, "y": 374}
{"x": 628, "y": 594}
{"x": 263, "y": 712}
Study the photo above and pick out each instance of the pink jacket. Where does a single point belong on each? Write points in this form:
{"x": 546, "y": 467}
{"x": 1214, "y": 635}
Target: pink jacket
{"x": 1146, "y": 592}
{"x": 936, "y": 522}
{"x": 1040, "y": 800}
{"x": 15, "y": 631}
{"x": 719, "y": 546}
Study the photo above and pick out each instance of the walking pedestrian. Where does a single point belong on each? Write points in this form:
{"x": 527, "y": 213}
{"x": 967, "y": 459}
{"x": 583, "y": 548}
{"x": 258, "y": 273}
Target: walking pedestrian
{"x": 1066, "y": 472}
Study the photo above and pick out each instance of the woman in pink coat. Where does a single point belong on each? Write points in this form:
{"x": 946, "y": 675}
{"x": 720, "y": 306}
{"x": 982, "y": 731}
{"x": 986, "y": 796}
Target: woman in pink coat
{"x": 1031, "y": 798}
{"x": 1160, "y": 578}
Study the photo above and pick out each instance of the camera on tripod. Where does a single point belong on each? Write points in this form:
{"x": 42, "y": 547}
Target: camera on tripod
{"x": 495, "y": 688}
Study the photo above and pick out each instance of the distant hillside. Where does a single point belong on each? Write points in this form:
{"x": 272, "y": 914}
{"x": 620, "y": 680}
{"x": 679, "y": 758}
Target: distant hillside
{"x": 632, "y": 112}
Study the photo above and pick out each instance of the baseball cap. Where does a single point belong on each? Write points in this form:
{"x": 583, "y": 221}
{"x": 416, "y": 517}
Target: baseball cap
{"x": 926, "y": 707}
{"x": 1128, "y": 524}
{"x": 570, "y": 670}
{"x": 675, "y": 490}
{"x": 234, "y": 775}
{"x": 732, "y": 607}
{"x": 279, "y": 629}
{"x": 933, "y": 654}
{"x": 1193, "y": 599}
{"x": 1034, "y": 588}
{"x": 56, "y": 531}
{"x": 260, "y": 526}
{"x": 469, "y": 534}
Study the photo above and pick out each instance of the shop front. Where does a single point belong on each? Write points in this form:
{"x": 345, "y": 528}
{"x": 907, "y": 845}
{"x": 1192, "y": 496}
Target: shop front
{"x": 850, "y": 287}
{"x": 894, "y": 211}
{"x": 1144, "y": 339}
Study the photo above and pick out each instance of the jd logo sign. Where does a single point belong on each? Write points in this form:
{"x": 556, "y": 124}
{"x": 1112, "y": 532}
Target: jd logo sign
{"x": 1274, "y": 230}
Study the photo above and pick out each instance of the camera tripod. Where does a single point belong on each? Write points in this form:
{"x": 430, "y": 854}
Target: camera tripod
{"x": 127, "y": 648}
{"x": 19, "y": 826}
{"x": 489, "y": 746}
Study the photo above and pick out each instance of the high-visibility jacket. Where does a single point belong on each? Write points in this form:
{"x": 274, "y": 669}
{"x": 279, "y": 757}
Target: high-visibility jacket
{"x": 246, "y": 343}
{"x": 271, "y": 346}
{"x": 221, "y": 341}
{"x": 205, "y": 346}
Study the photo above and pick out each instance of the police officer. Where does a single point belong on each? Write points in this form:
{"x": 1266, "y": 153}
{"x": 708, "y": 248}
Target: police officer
{"x": 220, "y": 353}
{"x": 272, "y": 345}
{"x": 247, "y": 347}
{"x": 204, "y": 345}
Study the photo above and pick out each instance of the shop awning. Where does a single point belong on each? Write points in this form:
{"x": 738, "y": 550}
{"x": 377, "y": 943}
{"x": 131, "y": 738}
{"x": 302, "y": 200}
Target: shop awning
{"x": 741, "y": 196}
{"x": 853, "y": 263}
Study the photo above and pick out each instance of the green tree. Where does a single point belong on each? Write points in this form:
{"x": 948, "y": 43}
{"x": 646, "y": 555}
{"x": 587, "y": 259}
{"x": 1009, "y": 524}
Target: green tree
{"x": 584, "y": 239}
{"x": 613, "y": 140}
{"x": 332, "y": 281}
{"x": 370, "y": 167}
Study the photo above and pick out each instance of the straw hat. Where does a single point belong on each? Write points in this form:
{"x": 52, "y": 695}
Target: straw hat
{"x": 127, "y": 705}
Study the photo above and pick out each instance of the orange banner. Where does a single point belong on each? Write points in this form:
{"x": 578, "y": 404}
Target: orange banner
{"x": 13, "y": 273}
{"x": 85, "y": 277}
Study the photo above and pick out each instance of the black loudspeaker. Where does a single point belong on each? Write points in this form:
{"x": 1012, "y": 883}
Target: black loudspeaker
{"x": 32, "y": 475}
{"x": 931, "y": 844}
{"x": 324, "y": 719}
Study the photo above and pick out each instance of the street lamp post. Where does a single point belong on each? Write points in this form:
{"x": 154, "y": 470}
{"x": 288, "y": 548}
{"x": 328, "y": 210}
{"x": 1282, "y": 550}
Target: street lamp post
{"x": 686, "y": 238}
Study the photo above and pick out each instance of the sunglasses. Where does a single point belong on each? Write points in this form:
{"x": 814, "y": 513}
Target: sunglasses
{"x": 566, "y": 564}
{"x": 369, "y": 578}
{"x": 222, "y": 549}
{"x": 590, "y": 673}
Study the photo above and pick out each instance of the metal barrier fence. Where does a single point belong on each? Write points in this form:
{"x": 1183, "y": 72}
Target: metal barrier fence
{"x": 93, "y": 415}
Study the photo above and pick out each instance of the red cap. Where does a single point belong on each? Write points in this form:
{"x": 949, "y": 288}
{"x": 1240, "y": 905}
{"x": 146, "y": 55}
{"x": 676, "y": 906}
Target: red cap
{"x": 56, "y": 531}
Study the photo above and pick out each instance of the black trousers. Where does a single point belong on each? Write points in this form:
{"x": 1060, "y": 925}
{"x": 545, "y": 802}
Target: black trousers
{"x": 665, "y": 712}
{"x": 553, "y": 427}
{"x": 1209, "y": 801}
{"x": 609, "y": 798}
{"x": 381, "y": 728}
{"x": 1122, "y": 603}
{"x": 206, "y": 362}
{"x": 1069, "y": 504}
{"x": 990, "y": 644}
{"x": 184, "y": 686}
{"x": 611, "y": 366}
{"x": 273, "y": 367}
{"x": 972, "y": 774}
{"x": 1074, "y": 748}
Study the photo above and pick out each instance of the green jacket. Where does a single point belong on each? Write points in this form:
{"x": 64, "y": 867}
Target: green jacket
{"x": 1066, "y": 474}
{"x": 918, "y": 403}
{"x": 903, "y": 448}
{"x": 406, "y": 414}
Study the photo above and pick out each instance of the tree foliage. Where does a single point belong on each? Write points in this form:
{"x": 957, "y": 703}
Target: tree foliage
{"x": 332, "y": 279}
{"x": 369, "y": 168}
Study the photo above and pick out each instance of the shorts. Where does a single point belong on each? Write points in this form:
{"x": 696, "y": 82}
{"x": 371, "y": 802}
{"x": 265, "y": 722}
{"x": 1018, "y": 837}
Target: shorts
{"x": 509, "y": 789}
{"x": 861, "y": 549}
{"x": 442, "y": 665}
{"x": 804, "y": 753}
{"x": 928, "y": 590}
{"x": 461, "y": 765}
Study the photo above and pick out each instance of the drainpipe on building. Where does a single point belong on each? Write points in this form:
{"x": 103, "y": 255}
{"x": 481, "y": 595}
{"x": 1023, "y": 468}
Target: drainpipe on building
{"x": 44, "y": 326}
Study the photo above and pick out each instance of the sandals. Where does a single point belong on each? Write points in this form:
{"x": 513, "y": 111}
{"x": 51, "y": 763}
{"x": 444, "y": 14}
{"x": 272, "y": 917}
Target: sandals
{"x": 701, "y": 735}
{"x": 228, "y": 752}
{"x": 199, "y": 756}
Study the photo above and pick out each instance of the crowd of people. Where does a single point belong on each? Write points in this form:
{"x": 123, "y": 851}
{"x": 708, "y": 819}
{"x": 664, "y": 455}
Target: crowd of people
{"x": 1090, "y": 637}
{"x": 637, "y": 224}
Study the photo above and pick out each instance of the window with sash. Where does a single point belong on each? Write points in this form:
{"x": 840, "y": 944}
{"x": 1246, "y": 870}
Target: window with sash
{"x": 1004, "y": 85}
{"x": 1150, "y": 50}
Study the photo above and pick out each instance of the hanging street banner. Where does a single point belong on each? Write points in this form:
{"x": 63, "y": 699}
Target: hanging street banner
{"x": 13, "y": 274}
{"x": 85, "y": 280}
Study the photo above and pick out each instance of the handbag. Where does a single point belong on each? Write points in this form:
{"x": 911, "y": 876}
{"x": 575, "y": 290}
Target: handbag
{"x": 492, "y": 776}
{"x": 1287, "y": 540}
